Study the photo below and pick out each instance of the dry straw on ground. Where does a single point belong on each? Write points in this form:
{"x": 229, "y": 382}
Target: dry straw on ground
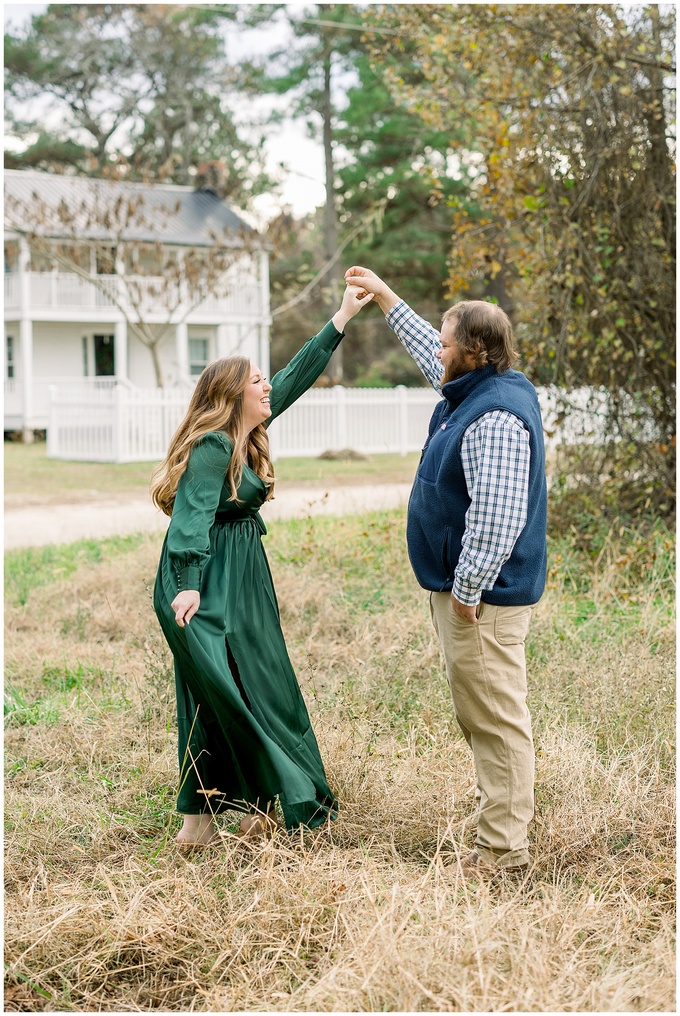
{"x": 102, "y": 913}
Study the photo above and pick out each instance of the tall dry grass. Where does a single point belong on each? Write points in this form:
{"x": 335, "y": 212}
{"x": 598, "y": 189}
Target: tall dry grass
{"x": 102, "y": 913}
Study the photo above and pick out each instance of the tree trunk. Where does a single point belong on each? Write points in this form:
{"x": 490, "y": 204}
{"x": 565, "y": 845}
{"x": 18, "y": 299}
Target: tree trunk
{"x": 158, "y": 369}
{"x": 333, "y": 284}
{"x": 152, "y": 343}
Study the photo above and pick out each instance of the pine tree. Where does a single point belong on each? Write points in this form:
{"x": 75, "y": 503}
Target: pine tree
{"x": 390, "y": 157}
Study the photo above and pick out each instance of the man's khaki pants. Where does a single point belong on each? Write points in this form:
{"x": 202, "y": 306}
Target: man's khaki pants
{"x": 486, "y": 669}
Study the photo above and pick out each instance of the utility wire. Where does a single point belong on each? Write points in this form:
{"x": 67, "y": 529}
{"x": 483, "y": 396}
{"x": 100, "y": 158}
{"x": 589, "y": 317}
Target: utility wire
{"x": 304, "y": 293}
{"x": 308, "y": 21}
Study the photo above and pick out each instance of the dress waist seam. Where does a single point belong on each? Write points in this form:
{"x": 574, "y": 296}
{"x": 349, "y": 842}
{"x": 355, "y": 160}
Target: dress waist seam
{"x": 229, "y": 520}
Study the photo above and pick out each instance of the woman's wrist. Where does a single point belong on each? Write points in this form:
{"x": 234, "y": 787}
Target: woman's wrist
{"x": 339, "y": 320}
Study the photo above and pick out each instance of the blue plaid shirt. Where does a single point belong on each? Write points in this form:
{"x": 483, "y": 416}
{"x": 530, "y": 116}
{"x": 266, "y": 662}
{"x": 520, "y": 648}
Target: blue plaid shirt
{"x": 495, "y": 455}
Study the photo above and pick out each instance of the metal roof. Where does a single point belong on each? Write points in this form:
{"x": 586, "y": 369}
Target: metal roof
{"x": 163, "y": 213}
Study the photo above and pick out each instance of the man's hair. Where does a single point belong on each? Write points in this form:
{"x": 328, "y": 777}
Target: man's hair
{"x": 485, "y": 331}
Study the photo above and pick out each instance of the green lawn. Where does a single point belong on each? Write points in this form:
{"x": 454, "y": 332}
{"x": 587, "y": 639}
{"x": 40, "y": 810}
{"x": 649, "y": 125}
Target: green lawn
{"x": 30, "y": 475}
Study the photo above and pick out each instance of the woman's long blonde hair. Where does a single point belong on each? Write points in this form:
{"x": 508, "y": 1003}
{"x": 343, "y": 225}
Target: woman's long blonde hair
{"x": 216, "y": 404}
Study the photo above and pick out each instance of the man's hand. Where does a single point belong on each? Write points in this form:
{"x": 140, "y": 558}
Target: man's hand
{"x": 467, "y": 613}
{"x": 353, "y": 299}
{"x": 371, "y": 283}
{"x": 185, "y": 606}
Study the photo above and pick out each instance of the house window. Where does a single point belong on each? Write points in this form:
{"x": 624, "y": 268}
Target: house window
{"x": 41, "y": 261}
{"x": 86, "y": 365}
{"x": 11, "y": 258}
{"x": 69, "y": 257}
{"x": 10, "y": 357}
{"x": 198, "y": 356}
{"x": 105, "y": 260}
{"x": 103, "y": 355}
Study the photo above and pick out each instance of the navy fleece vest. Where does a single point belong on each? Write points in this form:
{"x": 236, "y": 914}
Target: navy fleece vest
{"x": 439, "y": 498}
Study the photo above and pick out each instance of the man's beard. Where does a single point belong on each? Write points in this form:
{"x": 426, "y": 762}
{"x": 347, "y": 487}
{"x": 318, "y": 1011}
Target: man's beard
{"x": 455, "y": 369}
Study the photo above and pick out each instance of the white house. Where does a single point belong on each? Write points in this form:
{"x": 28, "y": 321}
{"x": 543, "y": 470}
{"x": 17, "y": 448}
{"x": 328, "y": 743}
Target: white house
{"x": 118, "y": 294}
{"x": 88, "y": 262}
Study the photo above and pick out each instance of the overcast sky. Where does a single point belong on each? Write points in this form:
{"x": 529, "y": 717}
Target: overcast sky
{"x": 303, "y": 172}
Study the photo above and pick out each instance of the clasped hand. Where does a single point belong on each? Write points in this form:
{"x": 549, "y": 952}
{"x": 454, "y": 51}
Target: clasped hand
{"x": 353, "y": 299}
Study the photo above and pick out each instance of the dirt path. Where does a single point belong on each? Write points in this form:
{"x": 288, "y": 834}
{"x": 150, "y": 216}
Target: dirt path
{"x": 37, "y": 525}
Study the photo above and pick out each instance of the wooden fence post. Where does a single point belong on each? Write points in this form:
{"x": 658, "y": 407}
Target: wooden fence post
{"x": 52, "y": 433}
{"x": 120, "y": 428}
{"x": 402, "y": 409}
{"x": 341, "y": 423}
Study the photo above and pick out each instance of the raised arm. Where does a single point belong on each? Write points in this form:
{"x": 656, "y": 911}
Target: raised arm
{"x": 418, "y": 337}
{"x": 310, "y": 362}
{"x": 367, "y": 280}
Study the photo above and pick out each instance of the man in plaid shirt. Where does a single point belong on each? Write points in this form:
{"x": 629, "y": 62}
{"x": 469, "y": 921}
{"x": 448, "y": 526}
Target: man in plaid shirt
{"x": 477, "y": 541}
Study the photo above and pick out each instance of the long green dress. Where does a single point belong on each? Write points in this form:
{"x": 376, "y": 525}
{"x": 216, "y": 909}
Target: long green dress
{"x": 245, "y": 737}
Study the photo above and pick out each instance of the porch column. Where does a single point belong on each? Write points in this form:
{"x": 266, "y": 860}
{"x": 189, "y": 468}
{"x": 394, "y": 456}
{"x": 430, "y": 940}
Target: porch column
{"x": 26, "y": 339}
{"x": 120, "y": 349}
{"x": 264, "y": 285}
{"x": 182, "y": 351}
{"x": 265, "y": 316}
{"x": 263, "y": 348}
{"x": 24, "y": 265}
{"x": 222, "y": 344}
{"x": 26, "y": 344}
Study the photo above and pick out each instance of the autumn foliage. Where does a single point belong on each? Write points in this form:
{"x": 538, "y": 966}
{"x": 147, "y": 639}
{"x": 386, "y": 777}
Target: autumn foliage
{"x": 568, "y": 113}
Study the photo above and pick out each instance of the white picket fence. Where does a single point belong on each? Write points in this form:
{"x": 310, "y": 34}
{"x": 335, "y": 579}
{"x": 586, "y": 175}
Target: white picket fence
{"x": 122, "y": 424}
{"x": 112, "y": 423}
{"x": 369, "y": 420}
{"x": 119, "y": 423}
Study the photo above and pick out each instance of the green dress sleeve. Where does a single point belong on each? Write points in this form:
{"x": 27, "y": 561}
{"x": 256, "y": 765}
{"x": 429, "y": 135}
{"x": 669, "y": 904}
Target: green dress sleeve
{"x": 193, "y": 513}
{"x": 303, "y": 370}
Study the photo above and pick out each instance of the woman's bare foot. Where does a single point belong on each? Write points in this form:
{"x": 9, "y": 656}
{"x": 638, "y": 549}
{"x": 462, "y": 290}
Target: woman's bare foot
{"x": 258, "y": 824}
{"x": 197, "y": 831}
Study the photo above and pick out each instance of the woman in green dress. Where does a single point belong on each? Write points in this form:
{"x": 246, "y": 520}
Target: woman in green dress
{"x": 245, "y": 738}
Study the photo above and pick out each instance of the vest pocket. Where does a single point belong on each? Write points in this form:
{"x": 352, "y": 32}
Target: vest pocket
{"x": 512, "y": 625}
{"x": 431, "y": 457}
{"x": 446, "y": 560}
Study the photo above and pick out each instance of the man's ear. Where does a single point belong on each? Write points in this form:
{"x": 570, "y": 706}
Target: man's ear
{"x": 478, "y": 355}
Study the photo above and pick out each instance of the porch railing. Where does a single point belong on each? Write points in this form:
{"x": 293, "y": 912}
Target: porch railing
{"x": 146, "y": 294}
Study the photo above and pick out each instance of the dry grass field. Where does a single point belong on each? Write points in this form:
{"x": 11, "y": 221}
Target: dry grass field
{"x": 103, "y": 914}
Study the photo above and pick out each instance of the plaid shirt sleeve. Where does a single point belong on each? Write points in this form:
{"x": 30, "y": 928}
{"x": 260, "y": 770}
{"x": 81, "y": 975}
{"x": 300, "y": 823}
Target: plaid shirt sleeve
{"x": 496, "y": 455}
{"x": 419, "y": 338}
